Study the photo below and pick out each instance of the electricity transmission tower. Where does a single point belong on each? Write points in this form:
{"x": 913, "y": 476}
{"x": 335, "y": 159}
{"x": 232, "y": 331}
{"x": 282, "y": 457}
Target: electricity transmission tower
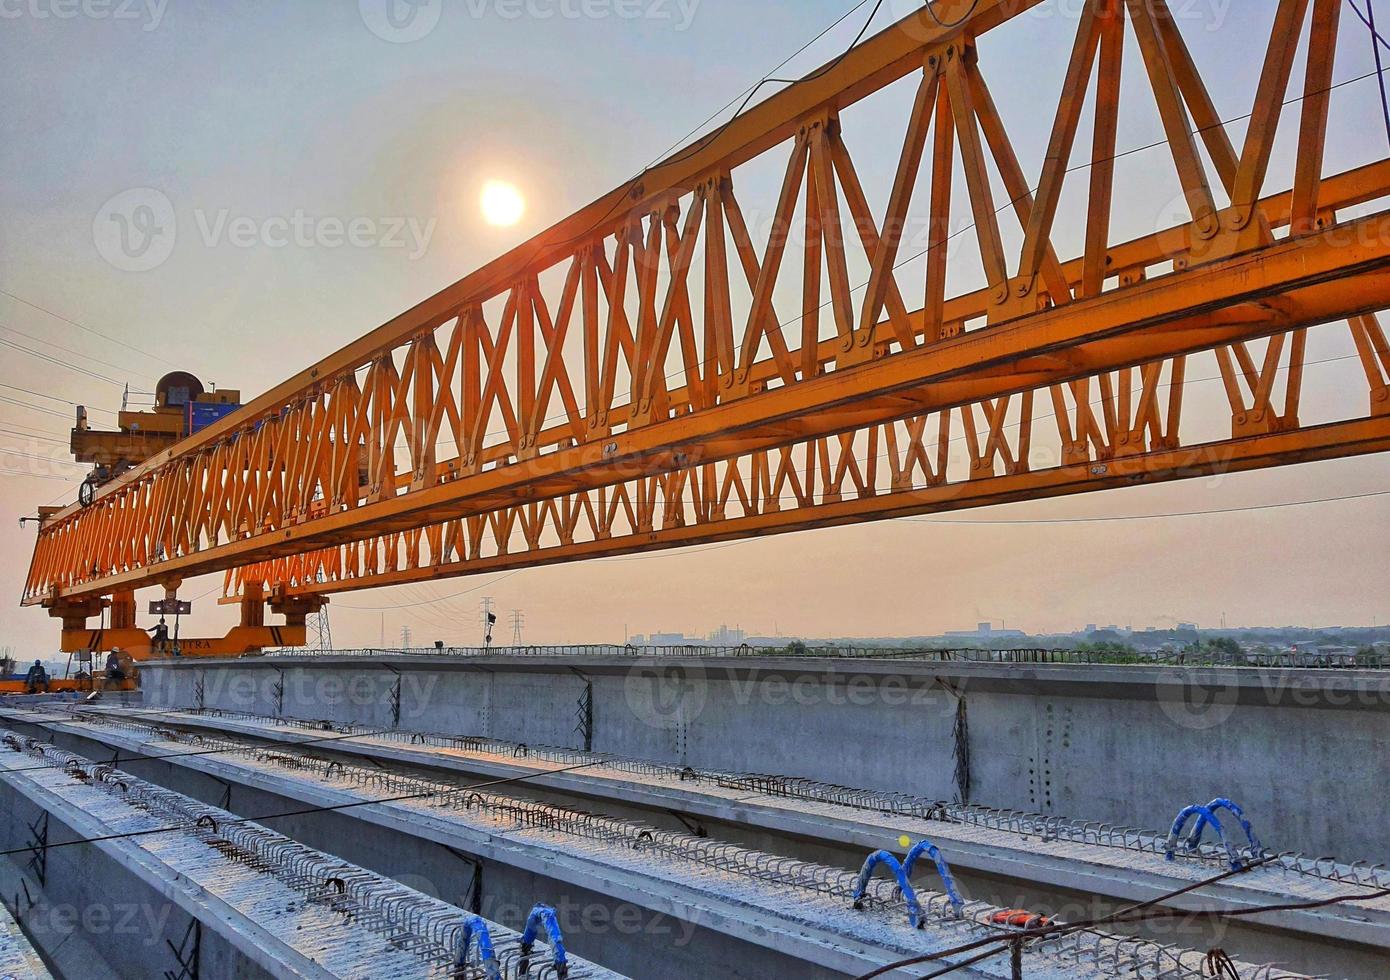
{"x": 405, "y": 637}
{"x": 320, "y": 633}
{"x": 518, "y": 621}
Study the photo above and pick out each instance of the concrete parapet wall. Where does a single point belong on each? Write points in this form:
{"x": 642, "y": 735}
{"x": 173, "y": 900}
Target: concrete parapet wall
{"x": 1126, "y": 745}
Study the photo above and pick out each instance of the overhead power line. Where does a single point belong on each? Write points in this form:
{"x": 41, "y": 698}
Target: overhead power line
{"x": 694, "y": 550}
{"x": 77, "y": 353}
{"x": 42, "y": 459}
{"x": 19, "y": 402}
{"x": 768, "y": 79}
{"x": 87, "y": 329}
{"x": 623, "y": 193}
{"x": 1369, "y": 19}
{"x": 37, "y": 394}
{"x": 38, "y": 476}
{"x": 1111, "y": 519}
{"x": 56, "y": 398}
{"x": 60, "y": 363}
{"x": 683, "y": 552}
{"x": 35, "y": 436}
{"x": 431, "y": 602}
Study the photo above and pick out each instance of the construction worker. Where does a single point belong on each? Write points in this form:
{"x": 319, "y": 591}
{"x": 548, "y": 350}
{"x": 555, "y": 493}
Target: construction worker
{"x": 36, "y": 679}
{"x": 114, "y": 672}
{"x": 159, "y": 635}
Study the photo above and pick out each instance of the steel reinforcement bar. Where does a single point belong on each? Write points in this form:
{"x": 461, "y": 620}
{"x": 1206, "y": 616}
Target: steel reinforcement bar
{"x": 1109, "y": 955}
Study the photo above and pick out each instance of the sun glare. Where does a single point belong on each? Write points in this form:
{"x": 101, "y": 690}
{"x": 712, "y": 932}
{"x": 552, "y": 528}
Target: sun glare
{"x": 502, "y": 203}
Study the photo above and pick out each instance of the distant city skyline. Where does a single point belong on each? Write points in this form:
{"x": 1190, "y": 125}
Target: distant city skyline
{"x": 726, "y": 636}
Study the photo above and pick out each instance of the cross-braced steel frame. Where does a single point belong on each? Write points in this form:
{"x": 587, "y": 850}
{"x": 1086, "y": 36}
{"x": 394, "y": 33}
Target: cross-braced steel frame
{"x": 668, "y": 366}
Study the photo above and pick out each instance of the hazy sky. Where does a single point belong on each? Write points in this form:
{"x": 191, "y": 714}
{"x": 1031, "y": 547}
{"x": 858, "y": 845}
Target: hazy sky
{"x": 236, "y": 110}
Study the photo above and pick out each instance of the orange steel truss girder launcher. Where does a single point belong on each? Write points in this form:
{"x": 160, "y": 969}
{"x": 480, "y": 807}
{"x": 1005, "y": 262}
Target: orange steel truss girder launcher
{"x": 251, "y": 636}
{"x": 640, "y": 353}
{"x": 136, "y": 642}
{"x": 1112, "y": 430}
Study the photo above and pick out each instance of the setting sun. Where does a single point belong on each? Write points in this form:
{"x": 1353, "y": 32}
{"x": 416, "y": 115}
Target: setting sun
{"x": 502, "y": 203}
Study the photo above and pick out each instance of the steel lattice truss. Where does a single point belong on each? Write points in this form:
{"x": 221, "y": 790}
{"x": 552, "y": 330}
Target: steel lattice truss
{"x": 659, "y": 370}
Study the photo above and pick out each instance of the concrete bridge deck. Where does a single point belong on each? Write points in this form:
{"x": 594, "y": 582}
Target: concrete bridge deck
{"x": 781, "y": 905}
{"x": 1126, "y": 745}
{"x": 806, "y": 763}
{"x": 255, "y": 903}
{"x": 1007, "y": 858}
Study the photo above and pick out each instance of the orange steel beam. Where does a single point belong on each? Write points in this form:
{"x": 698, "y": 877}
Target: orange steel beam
{"x": 1116, "y": 429}
{"x": 872, "y": 65}
{"x": 1289, "y": 284}
{"x": 665, "y": 273}
{"x": 238, "y": 641}
{"x": 69, "y": 686}
{"x": 320, "y": 573}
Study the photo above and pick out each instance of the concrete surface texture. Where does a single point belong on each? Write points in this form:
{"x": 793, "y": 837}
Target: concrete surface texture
{"x": 18, "y": 958}
{"x": 250, "y": 902}
{"x": 788, "y": 913}
{"x": 1122, "y": 745}
{"x": 1071, "y": 868}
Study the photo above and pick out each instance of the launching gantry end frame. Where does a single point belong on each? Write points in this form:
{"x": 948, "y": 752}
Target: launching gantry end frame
{"x": 636, "y": 377}
{"x": 250, "y": 637}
